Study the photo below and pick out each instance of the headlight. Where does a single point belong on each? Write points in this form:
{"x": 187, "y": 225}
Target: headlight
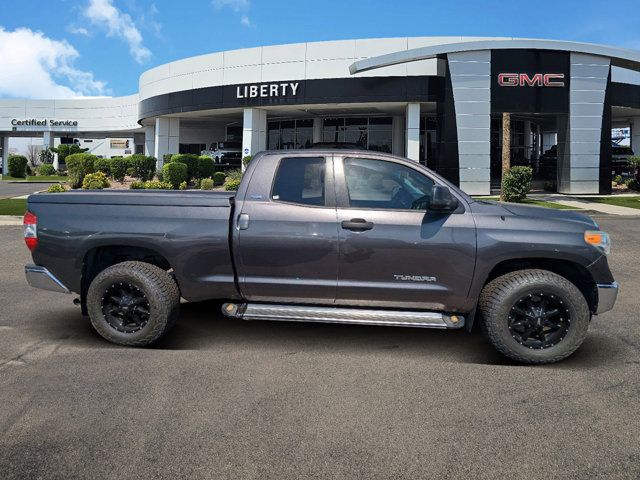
{"x": 598, "y": 239}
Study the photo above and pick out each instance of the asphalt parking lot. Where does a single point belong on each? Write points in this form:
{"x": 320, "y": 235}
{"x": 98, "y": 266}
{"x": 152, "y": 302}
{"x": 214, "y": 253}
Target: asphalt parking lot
{"x": 225, "y": 399}
{"x": 16, "y": 189}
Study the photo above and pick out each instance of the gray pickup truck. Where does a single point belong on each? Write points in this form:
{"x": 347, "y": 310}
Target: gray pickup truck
{"x": 326, "y": 236}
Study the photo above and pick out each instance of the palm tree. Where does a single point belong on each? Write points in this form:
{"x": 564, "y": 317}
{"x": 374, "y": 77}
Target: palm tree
{"x": 506, "y": 149}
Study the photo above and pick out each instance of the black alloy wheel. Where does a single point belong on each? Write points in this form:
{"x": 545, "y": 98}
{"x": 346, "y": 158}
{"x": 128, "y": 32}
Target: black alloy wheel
{"x": 125, "y": 307}
{"x": 539, "y": 320}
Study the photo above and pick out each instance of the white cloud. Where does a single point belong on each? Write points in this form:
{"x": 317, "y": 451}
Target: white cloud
{"x": 35, "y": 66}
{"x": 238, "y": 6}
{"x": 78, "y": 30}
{"x": 104, "y": 15}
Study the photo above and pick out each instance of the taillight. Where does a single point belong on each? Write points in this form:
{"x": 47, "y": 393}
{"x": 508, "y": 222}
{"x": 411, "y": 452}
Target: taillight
{"x": 30, "y": 222}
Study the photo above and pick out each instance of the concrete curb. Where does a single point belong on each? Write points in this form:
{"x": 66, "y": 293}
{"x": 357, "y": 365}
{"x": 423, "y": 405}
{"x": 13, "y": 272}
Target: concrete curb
{"x": 10, "y": 221}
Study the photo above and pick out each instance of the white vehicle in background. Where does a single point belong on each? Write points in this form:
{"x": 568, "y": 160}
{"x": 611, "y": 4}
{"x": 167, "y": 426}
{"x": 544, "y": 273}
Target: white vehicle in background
{"x": 227, "y": 153}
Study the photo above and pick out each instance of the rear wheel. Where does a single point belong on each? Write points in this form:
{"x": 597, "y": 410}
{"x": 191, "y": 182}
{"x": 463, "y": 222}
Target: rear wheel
{"x": 133, "y": 303}
{"x": 534, "y": 316}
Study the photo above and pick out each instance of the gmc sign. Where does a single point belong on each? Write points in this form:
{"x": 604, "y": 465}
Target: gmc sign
{"x": 537, "y": 80}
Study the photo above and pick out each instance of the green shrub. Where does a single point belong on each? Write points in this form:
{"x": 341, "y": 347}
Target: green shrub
{"x": 234, "y": 174}
{"x": 190, "y": 160}
{"x": 143, "y": 167}
{"x": 79, "y": 165}
{"x": 183, "y": 186}
{"x": 632, "y": 184}
{"x": 617, "y": 180}
{"x": 46, "y": 169}
{"x": 231, "y": 184}
{"x": 119, "y": 168}
{"x": 103, "y": 165}
{"x": 159, "y": 174}
{"x": 137, "y": 185}
{"x": 29, "y": 170}
{"x": 550, "y": 187}
{"x": 206, "y": 184}
{"x": 205, "y": 166}
{"x": 56, "y": 188}
{"x": 155, "y": 185}
{"x": 175, "y": 173}
{"x": 517, "y": 183}
{"x": 166, "y": 158}
{"x": 17, "y": 166}
{"x": 634, "y": 164}
{"x": 65, "y": 150}
{"x": 95, "y": 181}
{"x": 247, "y": 160}
{"x": 219, "y": 178}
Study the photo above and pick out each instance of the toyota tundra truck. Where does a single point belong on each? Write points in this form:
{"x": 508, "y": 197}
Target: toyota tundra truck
{"x": 339, "y": 236}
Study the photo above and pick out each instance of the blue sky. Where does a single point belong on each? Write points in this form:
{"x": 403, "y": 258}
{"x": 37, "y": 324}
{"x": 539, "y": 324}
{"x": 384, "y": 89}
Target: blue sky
{"x": 64, "y": 48}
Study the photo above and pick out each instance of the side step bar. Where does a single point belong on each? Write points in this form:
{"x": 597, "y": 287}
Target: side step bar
{"x": 303, "y": 313}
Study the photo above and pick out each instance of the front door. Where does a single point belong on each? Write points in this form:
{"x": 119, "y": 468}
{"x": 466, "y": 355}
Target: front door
{"x": 287, "y": 232}
{"x": 393, "y": 252}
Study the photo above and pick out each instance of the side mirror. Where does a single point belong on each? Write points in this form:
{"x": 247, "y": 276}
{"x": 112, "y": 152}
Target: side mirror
{"x": 442, "y": 200}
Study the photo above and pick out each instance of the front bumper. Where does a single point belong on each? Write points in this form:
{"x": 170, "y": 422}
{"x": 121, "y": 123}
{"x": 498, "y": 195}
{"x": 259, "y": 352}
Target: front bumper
{"x": 607, "y": 294}
{"x": 40, "y": 277}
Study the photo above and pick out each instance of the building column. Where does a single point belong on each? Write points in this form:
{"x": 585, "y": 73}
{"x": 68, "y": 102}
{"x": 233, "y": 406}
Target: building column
{"x": 471, "y": 84}
{"x": 527, "y": 139}
{"x": 5, "y": 155}
{"x": 150, "y": 141}
{"x": 254, "y": 131}
{"x": 397, "y": 136}
{"x": 634, "y": 123}
{"x": 579, "y": 167}
{"x": 412, "y": 132}
{"x": 166, "y": 138}
{"x": 317, "y": 130}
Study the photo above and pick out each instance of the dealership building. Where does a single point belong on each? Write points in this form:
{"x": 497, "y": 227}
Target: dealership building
{"x": 436, "y": 100}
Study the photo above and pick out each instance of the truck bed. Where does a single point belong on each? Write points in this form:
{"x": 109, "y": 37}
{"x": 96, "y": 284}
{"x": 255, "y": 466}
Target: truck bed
{"x": 189, "y": 229}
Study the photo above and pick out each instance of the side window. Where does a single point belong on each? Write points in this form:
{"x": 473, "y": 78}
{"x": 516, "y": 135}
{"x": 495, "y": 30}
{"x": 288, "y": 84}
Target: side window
{"x": 300, "y": 180}
{"x": 378, "y": 184}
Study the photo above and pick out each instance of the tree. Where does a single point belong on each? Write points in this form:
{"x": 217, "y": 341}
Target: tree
{"x": 46, "y": 155}
{"x": 65, "y": 150}
{"x": 506, "y": 150}
{"x": 33, "y": 154}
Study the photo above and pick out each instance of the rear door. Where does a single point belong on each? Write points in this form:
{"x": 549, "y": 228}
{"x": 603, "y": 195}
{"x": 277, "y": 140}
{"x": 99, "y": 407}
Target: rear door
{"x": 287, "y": 249}
{"x": 393, "y": 252}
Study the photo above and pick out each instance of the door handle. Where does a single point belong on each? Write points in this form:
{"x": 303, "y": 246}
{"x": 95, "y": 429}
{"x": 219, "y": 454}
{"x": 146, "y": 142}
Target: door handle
{"x": 357, "y": 224}
{"x": 243, "y": 221}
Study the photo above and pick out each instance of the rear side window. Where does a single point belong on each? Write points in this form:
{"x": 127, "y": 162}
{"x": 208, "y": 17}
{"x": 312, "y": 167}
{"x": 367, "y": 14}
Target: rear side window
{"x": 300, "y": 180}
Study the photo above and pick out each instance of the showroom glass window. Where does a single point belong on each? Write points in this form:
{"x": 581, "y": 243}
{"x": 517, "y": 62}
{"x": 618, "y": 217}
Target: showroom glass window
{"x": 378, "y": 184}
{"x": 300, "y": 180}
{"x": 371, "y": 133}
{"x": 288, "y": 134}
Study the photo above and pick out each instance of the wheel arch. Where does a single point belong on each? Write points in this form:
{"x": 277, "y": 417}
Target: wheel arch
{"x": 572, "y": 271}
{"x": 101, "y": 257}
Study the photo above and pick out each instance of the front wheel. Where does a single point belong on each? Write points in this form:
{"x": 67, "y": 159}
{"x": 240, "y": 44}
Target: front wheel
{"x": 534, "y": 316}
{"x": 133, "y": 303}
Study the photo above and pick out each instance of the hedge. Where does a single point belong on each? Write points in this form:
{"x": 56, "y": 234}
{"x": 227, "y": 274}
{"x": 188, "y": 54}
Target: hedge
{"x": 144, "y": 167}
{"x": 205, "y": 166}
{"x": 175, "y": 173}
{"x": 102, "y": 165}
{"x": 516, "y": 184}
{"x": 46, "y": 169}
{"x": 79, "y": 165}
{"x": 190, "y": 160}
{"x": 219, "y": 178}
{"x": 206, "y": 184}
{"x": 119, "y": 168}
{"x": 18, "y": 166}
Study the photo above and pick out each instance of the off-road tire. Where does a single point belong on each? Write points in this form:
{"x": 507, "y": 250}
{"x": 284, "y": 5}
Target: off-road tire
{"x": 160, "y": 290}
{"x": 499, "y": 296}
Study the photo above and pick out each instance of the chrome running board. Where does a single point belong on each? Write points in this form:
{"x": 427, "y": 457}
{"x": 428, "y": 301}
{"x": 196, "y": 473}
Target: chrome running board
{"x": 304, "y": 313}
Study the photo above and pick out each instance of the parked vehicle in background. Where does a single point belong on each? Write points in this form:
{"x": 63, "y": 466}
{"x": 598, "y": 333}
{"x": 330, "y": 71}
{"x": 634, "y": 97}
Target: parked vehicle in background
{"x": 225, "y": 154}
{"x": 342, "y": 236}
